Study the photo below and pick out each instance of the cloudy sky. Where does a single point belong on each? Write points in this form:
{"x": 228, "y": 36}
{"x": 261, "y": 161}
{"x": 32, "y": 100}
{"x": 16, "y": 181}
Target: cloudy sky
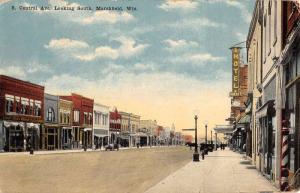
{"x": 163, "y": 61}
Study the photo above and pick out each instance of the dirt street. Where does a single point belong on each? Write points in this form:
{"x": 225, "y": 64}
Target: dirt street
{"x": 127, "y": 171}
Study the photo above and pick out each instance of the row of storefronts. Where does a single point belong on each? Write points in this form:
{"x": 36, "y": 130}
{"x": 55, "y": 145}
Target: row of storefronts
{"x": 31, "y": 119}
{"x": 270, "y": 113}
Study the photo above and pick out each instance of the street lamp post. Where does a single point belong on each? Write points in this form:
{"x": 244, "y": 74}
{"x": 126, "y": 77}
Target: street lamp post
{"x": 205, "y": 133}
{"x": 206, "y": 145}
{"x": 216, "y": 148}
{"x": 196, "y": 154}
{"x": 211, "y": 141}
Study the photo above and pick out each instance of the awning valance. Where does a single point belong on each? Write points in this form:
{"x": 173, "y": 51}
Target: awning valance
{"x": 99, "y": 135}
{"x": 33, "y": 125}
{"x": 245, "y": 119}
{"x": 263, "y": 111}
{"x": 87, "y": 129}
{"x": 11, "y": 123}
{"x": 67, "y": 128}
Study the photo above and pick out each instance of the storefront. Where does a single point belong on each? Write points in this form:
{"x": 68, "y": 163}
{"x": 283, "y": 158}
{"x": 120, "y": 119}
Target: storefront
{"x": 2, "y": 136}
{"x": 22, "y": 114}
{"x": 115, "y": 126}
{"x": 266, "y": 116}
{"x": 14, "y": 136}
{"x": 67, "y": 134}
{"x": 81, "y": 119}
{"x": 66, "y": 137}
{"x": 87, "y": 134}
{"x": 51, "y": 132}
{"x": 100, "y": 125}
{"x": 100, "y": 138}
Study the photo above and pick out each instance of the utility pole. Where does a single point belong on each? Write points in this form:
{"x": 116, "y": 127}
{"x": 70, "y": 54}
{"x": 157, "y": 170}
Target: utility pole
{"x": 196, "y": 154}
{"x": 216, "y": 148}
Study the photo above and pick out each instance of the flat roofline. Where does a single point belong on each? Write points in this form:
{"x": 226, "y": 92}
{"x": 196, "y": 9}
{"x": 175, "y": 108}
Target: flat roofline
{"x": 19, "y": 80}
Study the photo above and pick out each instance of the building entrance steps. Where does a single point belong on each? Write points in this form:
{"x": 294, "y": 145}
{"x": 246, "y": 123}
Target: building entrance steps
{"x": 220, "y": 172}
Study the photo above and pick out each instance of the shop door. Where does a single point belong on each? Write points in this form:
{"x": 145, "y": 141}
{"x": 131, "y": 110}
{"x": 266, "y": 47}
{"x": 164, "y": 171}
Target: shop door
{"x": 67, "y": 138}
{"x": 51, "y": 139}
{"x": 15, "y": 138}
{"x": 32, "y": 139}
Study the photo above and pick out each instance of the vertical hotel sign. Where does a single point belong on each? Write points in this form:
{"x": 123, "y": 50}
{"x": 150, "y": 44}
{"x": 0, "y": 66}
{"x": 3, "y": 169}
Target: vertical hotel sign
{"x": 235, "y": 71}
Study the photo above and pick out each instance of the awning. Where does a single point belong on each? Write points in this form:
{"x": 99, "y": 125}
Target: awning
{"x": 245, "y": 119}
{"x": 223, "y": 129}
{"x": 263, "y": 111}
{"x": 87, "y": 129}
{"x": 33, "y": 125}
{"x": 11, "y": 123}
{"x": 99, "y": 135}
{"x": 67, "y": 128}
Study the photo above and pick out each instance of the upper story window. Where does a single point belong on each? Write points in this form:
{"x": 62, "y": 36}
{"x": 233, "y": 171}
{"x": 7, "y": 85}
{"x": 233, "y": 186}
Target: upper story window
{"x": 269, "y": 26}
{"x": 38, "y": 107}
{"x": 104, "y": 119}
{"x": 275, "y": 21}
{"x": 65, "y": 116}
{"x": 85, "y": 118}
{"x": 76, "y": 116}
{"x": 9, "y": 103}
{"x": 31, "y": 107}
{"x": 90, "y": 118}
{"x": 50, "y": 115}
{"x": 25, "y": 106}
{"x": 18, "y": 104}
{"x": 265, "y": 38}
{"x": 97, "y": 117}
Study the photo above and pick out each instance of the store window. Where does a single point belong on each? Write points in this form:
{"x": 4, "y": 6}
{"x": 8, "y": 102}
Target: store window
{"x": 291, "y": 71}
{"x": 297, "y": 63}
{"x": 292, "y": 143}
{"x": 9, "y": 103}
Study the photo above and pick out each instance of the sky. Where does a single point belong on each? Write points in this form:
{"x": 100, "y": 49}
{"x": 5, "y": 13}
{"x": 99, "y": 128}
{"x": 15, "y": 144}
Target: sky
{"x": 165, "y": 61}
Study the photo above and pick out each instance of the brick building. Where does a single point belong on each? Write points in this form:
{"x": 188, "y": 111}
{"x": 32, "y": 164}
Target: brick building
{"x": 82, "y": 119}
{"x": 290, "y": 64}
{"x": 115, "y": 126}
{"x": 21, "y": 114}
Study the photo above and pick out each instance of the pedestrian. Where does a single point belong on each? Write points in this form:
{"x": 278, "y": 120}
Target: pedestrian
{"x": 203, "y": 153}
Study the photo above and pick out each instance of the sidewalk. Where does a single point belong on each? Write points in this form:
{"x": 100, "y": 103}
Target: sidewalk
{"x": 220, "y": 172}
{"x": 75, "y": 151}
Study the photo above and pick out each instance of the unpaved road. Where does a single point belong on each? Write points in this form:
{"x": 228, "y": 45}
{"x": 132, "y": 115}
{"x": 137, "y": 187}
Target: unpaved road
{"x": 127, "y": 171}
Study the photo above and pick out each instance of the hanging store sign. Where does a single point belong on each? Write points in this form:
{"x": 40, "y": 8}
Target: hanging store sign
{"x": 235, "y": 72}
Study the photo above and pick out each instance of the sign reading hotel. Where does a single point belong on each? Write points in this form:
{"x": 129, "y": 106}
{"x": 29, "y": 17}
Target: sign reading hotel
{"x": 235, "y": 71}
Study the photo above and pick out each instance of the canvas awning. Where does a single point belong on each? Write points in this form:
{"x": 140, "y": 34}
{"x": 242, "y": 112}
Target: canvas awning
{"x": 263, "y": 111}
{"x": 245, "y": 119}
{"x": 99, "y": 135}
{"x": 11, "y": 123}
{"x": 33, "y": 125}
{"x": 87, "y": 129}
{"x": 66, "y": 127}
